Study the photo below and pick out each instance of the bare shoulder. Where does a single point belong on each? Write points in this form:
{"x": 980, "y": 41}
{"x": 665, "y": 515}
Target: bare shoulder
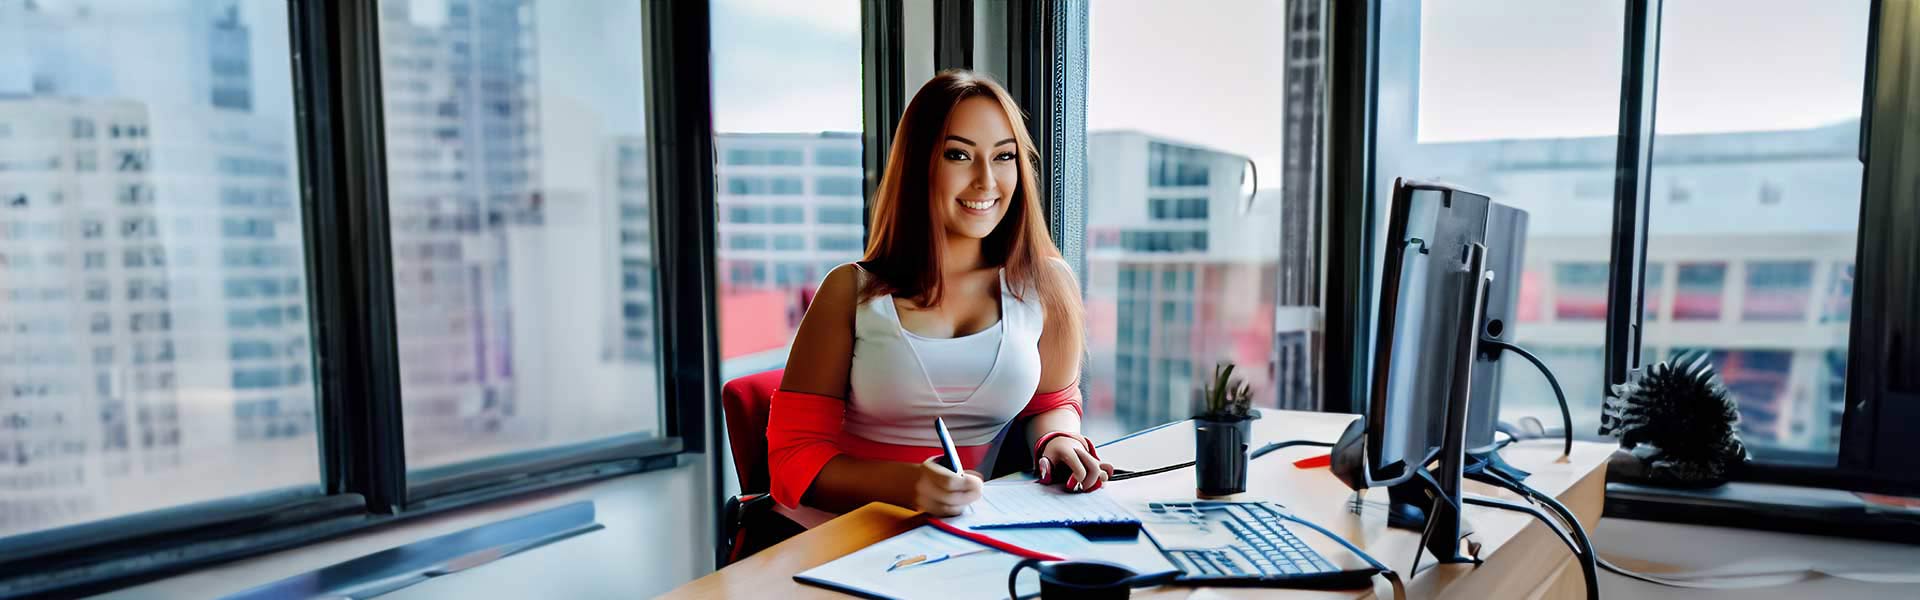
{"x": 839, "y": 289}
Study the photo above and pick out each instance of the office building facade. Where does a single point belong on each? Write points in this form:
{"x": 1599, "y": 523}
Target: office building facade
{"x": 152, "y": 275}
{"x": 1182, "y": 273}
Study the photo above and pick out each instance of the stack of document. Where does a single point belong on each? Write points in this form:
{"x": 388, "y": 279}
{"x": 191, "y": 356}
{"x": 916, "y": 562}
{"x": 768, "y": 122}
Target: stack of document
{"x": 936, "y": 564}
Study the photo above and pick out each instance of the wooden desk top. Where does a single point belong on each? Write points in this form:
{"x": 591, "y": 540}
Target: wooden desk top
{"x": 1522, "y": 558}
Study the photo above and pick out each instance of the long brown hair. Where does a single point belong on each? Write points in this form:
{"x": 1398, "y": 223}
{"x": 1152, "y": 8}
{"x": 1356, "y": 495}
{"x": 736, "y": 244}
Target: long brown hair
{"x": 907, "y": 236}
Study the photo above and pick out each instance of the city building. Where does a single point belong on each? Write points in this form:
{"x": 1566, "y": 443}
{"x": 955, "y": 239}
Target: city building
{"x": 1750, "y": 257}
{"x": 462, "y": 154}
{"x": 152, "y": 272}
{"x": 1302, "y": 185}
{"x": 791, "y": 207}
{"x": 1182, "y": 272}
{"x": 628, "y": 215}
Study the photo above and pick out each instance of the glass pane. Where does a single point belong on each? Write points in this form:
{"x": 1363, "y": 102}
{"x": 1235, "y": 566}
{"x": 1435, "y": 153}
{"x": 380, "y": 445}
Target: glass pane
{"x": 1518, "y": 100}
{"x": 786, "y": 81}
{"x": 1183, "y": 256}
{"x": 524, "y": 275}
{"x": 1756, "y": 182}
{"x": 154, "y": 342}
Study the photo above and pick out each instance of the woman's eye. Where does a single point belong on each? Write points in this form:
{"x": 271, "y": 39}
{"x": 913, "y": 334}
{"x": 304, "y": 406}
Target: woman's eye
{"x": 1005, "y": 156}
{"x": 955, "y": 155}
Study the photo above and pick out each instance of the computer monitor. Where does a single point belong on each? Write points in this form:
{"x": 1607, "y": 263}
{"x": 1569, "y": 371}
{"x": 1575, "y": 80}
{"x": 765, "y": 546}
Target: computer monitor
{"x": 1506, "y": 241}
{"x": 1431, "y": 229}
{"x": 1433, "y": 287}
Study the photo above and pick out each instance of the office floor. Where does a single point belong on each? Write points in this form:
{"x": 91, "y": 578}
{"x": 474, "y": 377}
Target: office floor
{"x": 1693, "y": 547}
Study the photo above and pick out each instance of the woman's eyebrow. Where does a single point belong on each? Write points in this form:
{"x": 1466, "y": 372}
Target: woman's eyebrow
{"x": 971, "y": 142}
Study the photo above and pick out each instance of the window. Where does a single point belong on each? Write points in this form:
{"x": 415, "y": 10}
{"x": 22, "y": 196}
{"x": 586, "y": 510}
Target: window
{"x": 1580, "y": 292}
{"x": 485, "y": 368}
{"x": 836, "y": 215}
{"x": 839, "y": 243}
{"x": 1698, "y": 294}
{"x": 1777, "y": 291}
{"x": 837, "y": 157}
{"x": 1150, "y": 181}
{"x": 119, "y": 124}
{"x": 836, "y": 186}
{"x": 1767, "y": 137}
{"x": 747, "y": 213}
{"x": 763, "y": 186}
{"x": 789, "y": 78}
{"x": 764, "y": 156}
{"x": 1533, "y": 123}
{"x": 747, "y": 241}
{"x": 789, "y": 215}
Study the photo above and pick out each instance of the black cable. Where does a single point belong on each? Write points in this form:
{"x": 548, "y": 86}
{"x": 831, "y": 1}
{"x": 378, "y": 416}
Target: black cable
{"x": 1123, "y": 474}
{"x": 1583, "y": 548}
{"x": 1566, "y": 414}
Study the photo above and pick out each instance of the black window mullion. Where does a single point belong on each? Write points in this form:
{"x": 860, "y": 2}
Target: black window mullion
{"x": 952, "y": 34}
{"x": 884, "y": 93}
{"x": 1633, "y": 165}
{"x": 1046, "y": 75}
{"x": 1353, "y": 32}
{"x": 1883, "y": 368}
{"x": 680, "y": 138}
{"x": 337, "y": 69}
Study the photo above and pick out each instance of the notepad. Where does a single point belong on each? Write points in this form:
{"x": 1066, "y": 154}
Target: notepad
{"x": 979, "y": 576}
{"x": 1016, "y": 504}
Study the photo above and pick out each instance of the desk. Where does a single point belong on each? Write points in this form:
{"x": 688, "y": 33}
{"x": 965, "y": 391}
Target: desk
{"x": 1523, "y": 558}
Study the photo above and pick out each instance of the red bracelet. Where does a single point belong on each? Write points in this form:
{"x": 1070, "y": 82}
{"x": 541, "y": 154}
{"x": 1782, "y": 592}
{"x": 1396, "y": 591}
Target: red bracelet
{"x": 1041, "y": 445}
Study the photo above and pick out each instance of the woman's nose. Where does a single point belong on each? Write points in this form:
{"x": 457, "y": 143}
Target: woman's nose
{"x": 983, "y": 177}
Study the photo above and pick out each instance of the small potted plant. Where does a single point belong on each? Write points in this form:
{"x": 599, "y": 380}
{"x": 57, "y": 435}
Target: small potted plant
{"x": 1222, "y": 431}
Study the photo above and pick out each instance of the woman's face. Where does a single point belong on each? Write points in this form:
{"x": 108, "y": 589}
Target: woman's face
{"x": 976, "y": 164}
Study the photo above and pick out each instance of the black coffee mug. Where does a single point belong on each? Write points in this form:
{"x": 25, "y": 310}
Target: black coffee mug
{"x": 1079, "y": 579}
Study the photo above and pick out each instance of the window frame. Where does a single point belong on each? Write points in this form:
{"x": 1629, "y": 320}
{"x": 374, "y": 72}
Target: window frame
{"x": 1883, "y": 283}
{"x": 363, "y": 480}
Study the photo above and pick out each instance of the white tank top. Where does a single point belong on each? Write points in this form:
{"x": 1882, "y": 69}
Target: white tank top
{"x": 977, "y": 383}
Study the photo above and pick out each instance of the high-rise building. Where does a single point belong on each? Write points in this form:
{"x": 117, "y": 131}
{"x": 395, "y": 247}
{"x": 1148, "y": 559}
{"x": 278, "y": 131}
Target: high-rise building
{"x": 628, "y": 215}
{"x": 152, "y": 281}
{"x": 1302, "y": 186}
{"x": 1747, "y": 258}
{"x": 1182, "y": 273}
{"x": 791, "y": 208}
{"x": 462, "y": 154}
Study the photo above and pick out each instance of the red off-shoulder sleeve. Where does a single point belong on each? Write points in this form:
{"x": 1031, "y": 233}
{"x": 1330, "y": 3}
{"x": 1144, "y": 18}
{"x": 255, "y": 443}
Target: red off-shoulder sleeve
{"x": 801, "y": 429}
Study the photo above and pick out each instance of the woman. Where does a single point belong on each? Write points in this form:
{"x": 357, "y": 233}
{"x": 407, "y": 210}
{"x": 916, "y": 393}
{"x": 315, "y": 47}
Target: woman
{"x": 961, "y": 309}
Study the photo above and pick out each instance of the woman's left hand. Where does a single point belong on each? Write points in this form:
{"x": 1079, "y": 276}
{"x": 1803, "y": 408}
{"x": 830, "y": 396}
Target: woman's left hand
{"x": 1067, "y": 454}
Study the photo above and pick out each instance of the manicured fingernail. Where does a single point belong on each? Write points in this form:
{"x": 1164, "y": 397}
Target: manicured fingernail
{"x": 1072, "y": 484}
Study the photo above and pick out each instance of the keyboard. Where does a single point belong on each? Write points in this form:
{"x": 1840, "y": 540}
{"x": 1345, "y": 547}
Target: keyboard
{"x": 1263, "y": 551}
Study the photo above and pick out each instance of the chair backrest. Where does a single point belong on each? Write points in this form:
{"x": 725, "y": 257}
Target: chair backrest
{"x": 746, "y": 401}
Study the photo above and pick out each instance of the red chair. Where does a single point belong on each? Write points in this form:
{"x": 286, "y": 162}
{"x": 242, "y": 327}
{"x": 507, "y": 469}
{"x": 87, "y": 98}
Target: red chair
{"x": 746, "y": 402}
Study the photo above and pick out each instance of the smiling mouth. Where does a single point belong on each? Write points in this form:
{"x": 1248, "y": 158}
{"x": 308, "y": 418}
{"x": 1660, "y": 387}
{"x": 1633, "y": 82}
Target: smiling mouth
{"x": 979, "y": 205}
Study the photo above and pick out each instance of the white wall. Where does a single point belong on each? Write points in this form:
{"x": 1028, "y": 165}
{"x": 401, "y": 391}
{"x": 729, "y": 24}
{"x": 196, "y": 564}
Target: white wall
{"x": 656, "y": 538}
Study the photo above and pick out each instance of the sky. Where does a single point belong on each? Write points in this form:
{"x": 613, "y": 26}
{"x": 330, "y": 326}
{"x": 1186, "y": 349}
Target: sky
{"x": 1489, "y": 68}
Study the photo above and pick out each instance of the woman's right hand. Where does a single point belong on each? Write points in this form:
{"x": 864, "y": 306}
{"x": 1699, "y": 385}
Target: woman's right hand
{"x": 941, "y": 492}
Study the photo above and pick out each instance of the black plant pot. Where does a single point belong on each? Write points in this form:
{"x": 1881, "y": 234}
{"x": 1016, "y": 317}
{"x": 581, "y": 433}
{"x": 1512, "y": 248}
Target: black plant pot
{"x": 1220, "y": 456}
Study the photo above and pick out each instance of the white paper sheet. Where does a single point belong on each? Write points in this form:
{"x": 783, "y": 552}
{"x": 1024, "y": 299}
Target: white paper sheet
{"x": 975, "y": 576}
{"x": 1026, "y": 504}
